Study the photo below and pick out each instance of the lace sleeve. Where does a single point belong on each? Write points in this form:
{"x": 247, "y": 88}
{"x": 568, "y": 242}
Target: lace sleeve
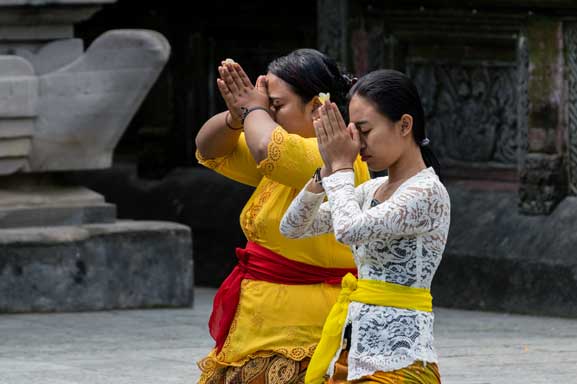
{"x": 419, "y": 206}
{"x": 306, "y": 216}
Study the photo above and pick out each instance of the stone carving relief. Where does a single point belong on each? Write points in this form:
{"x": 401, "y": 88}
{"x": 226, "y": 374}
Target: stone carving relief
{"x": 523, "y": 97}
{"x": 570, "y": 36}
{"x": 471, "y": 109}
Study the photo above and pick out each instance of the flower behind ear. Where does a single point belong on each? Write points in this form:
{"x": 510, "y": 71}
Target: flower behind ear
{"x": 324, "y": 97}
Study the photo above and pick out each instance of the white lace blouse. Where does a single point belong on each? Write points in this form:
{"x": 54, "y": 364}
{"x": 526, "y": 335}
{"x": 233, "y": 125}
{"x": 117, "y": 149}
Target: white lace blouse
{"x": 400, "y": 240}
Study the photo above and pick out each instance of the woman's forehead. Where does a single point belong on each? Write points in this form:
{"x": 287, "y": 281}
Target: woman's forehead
{"x": 360, "y": 108}
{"x": 277, "y": 87}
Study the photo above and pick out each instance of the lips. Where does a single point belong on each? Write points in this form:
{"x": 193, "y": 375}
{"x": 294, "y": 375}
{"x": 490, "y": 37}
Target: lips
{"x": 364, "y": 157}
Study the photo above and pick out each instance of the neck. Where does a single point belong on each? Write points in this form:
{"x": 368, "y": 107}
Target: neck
{"x": 408, "y": 165}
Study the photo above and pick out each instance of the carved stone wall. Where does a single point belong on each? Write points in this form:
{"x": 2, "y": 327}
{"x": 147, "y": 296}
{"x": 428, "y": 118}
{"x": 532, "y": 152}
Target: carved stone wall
{"x": 570, "y": 37}
{"x": 522, "y": 96}
{"x": 471, "y": 109}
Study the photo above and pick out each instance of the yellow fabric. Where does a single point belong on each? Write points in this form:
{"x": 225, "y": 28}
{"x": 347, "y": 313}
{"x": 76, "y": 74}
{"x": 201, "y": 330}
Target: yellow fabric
{"x": 275, "y": 318}
{"x": 416, "y": 373}
{"x": 239, "y": 165}
{"x": 364, "y": 291}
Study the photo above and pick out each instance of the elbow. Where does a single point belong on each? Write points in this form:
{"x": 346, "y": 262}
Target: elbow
{"x": 343, "y": 237}
{"x": 259, "y": 150}
{"x": 199, "y": 142}
{"x": 288, "y": 231}
{"x": 290, "y": 235}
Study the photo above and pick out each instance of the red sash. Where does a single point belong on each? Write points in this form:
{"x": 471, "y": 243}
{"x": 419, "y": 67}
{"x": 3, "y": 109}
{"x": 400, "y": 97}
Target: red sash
{"x": 258, "y": 263}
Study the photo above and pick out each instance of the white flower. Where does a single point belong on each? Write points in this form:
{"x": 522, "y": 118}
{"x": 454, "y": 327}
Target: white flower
{"x": 324, "y": 97}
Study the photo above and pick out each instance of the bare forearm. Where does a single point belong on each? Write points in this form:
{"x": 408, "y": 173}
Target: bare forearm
{"x": 258, "y": 129}
{"x": 215, "y": 138}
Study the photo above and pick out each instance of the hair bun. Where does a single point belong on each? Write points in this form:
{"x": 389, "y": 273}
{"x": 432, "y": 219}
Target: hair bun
{"x": 349, "y": 79}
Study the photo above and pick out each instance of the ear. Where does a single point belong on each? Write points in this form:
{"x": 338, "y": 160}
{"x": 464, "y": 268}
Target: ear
{"x": 406, "y": 124}
{"x": 314, "y": 105}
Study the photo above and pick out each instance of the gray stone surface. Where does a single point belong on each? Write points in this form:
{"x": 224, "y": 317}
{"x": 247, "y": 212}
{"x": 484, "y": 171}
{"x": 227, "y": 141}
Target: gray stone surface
{"x": 161, "y": 346}
{"x": 65, "y": 109}
{"x": 34, "y": 22}
{"x": 18, "y": 110}
{"x": 86, "y": 105}
{"x": 498, "y": 259}
{"x": 127, "y": 264}
{"x": 62, "y": 108}
{"x": 57, "y": 215}
{"x": 34, "y": 200}
{"x": 53, "y": 56}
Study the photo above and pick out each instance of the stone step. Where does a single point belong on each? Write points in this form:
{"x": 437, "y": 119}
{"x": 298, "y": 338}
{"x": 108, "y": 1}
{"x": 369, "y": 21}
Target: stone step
{"x": 128, "y": 264}
{"x": 38, "y": 216}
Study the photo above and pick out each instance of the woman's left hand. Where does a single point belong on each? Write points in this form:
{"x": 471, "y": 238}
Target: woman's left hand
{"x": 339, "y": 145}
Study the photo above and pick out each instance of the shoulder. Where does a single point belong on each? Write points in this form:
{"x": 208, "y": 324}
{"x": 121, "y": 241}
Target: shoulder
{"x": 426, "y": 184}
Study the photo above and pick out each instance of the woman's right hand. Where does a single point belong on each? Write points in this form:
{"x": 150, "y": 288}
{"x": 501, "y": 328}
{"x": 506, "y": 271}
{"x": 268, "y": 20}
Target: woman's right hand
{"x": 225, "y": 70}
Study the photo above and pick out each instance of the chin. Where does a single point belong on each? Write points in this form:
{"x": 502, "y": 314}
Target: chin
{"x": 376, "y": 168}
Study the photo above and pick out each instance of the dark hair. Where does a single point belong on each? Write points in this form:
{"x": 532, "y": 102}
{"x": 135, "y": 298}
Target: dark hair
{"x": 309, "y": 72}
{"x": 394, "y": 94}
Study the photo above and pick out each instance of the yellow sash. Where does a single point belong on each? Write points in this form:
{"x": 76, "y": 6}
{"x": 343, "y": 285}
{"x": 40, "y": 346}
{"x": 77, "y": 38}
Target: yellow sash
{"x": 364, "y": 291}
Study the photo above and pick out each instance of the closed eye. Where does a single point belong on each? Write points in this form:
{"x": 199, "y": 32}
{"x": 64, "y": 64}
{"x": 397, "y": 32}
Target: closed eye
{"x": 360, "y": 125}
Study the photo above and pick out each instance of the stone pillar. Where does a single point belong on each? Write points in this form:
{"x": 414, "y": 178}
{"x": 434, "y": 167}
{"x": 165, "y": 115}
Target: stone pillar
{"x": 542, "y": 184}
{"x": 64, "y": 109}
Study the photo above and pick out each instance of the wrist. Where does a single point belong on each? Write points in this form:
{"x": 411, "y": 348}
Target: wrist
{"x": 335, "y": 167}
{"x": 231, "y": 123}
{"x": 247, "y": 110}
{"x": 235, "y": 120}
{"x": 314, "y": 187}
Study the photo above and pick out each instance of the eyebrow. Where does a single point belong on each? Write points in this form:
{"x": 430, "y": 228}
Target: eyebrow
{"x": 359, "y": 124}
{"x": 272, "y": 98}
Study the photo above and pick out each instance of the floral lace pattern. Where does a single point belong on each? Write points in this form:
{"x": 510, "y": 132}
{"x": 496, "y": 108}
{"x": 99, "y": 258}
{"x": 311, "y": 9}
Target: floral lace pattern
{"x": 400, "y": 240}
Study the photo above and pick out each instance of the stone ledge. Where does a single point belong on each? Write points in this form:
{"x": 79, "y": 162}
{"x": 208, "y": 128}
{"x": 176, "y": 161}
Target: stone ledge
{"x": 96, "y": 267}
{"x": 497, "y": 259}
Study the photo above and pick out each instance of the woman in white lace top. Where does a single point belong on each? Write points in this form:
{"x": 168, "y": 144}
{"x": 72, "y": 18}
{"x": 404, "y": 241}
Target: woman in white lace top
{"x": 396, "y": 226}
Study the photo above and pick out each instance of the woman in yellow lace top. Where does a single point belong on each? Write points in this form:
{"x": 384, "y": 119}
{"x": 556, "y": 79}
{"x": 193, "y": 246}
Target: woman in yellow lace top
{"x": 268, "y": 315}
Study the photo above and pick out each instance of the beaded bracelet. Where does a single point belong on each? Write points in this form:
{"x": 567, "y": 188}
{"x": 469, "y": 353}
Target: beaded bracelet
{"x": 246, "y": 111}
